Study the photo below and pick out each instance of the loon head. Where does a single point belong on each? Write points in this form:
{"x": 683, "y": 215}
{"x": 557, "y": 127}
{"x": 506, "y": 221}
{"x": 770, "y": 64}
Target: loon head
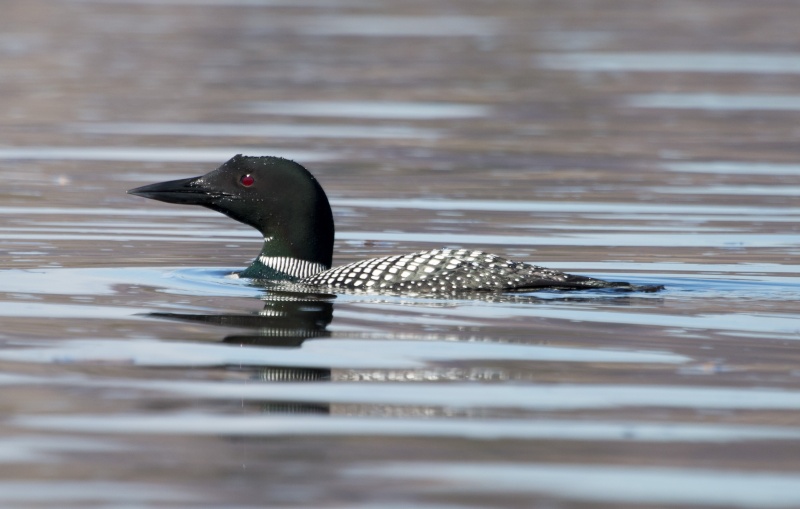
{"x": 276, "y": 196}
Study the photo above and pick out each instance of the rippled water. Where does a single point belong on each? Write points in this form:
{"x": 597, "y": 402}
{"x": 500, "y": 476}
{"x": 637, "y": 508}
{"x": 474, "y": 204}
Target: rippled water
{"x": 646, "y": 143}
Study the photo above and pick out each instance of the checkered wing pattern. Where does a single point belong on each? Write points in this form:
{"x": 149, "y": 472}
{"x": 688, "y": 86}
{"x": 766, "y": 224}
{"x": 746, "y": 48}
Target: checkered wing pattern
{"x": 443, "y": 271}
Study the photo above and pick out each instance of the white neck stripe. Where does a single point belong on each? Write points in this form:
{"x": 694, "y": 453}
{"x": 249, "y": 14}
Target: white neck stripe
{"x": 292, "y": 266}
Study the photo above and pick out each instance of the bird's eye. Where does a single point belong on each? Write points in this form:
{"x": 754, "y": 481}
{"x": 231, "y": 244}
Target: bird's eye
{"x": 247, "y": 180}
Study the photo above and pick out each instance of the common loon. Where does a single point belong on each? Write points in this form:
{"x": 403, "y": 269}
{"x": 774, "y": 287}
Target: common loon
{"x": 282, "y": 200}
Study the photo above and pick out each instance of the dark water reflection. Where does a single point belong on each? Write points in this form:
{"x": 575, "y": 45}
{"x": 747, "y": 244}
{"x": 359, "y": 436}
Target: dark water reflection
{"x": 287, "y": 320}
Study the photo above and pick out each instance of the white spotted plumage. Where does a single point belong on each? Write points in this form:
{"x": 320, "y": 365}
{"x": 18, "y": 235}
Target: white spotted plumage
{"x": 439, "y": 271}
{"x": 291, "y": 266}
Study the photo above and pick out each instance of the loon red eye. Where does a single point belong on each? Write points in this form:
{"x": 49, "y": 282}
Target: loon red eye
{"x": 247, "y": 180}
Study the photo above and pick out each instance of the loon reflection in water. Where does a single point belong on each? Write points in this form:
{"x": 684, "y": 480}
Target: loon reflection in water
{"x": 288, "y": 319}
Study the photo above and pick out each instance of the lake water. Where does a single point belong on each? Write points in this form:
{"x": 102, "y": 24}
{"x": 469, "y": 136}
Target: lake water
{"x": 650, "y": 142}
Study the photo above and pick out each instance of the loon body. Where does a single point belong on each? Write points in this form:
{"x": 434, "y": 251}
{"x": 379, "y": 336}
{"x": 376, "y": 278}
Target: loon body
{"x": 282, "y": 200}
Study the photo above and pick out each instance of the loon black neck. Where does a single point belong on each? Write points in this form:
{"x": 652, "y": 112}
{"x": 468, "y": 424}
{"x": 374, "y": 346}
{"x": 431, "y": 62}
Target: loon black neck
{"x": 298, "y": 235}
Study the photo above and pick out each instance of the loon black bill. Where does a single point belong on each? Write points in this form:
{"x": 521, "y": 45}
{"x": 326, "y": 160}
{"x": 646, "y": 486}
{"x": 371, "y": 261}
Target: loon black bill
{"x": 184, "y": 191}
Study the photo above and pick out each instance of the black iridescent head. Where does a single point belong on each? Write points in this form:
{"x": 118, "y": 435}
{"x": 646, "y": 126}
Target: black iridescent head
{"x": 278, "y": 197}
